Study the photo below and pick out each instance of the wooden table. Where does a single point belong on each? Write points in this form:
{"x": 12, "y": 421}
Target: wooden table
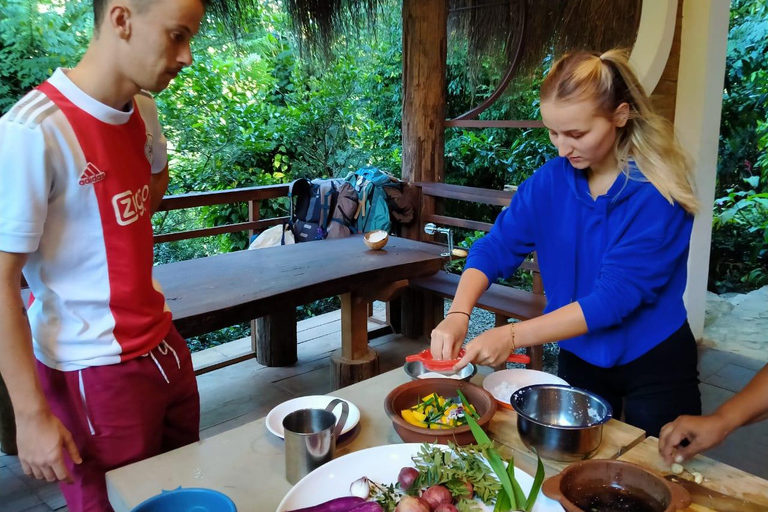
{"x": 206, "y": 294}
{"x": 719, "y": 477}
{"x": 247, "y": 463}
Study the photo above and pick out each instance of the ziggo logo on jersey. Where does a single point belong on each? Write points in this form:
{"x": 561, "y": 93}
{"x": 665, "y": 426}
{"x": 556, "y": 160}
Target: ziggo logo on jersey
{"x": 130, "y": 206}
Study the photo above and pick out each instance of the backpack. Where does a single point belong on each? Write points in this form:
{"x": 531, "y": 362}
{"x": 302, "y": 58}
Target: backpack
{"x": 370, "y": 184}
{"x": 321, "y": 209}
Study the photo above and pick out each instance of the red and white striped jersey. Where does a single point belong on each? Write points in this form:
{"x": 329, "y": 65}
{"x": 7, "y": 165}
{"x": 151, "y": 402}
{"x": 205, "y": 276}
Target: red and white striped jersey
{"x": 75, "y": 177}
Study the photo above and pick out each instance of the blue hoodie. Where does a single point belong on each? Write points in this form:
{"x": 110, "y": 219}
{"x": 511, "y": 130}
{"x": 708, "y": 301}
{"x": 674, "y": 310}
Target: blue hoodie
{"x": 622, "y": 257}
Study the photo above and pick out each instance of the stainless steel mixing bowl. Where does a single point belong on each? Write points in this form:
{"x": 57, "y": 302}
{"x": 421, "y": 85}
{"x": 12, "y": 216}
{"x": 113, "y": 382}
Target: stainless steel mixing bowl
{"x": 415, "y": 370}
{"x": 560, "y": 422}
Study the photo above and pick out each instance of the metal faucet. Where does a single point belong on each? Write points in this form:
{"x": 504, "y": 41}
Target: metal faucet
{"x": 431, "y": 229}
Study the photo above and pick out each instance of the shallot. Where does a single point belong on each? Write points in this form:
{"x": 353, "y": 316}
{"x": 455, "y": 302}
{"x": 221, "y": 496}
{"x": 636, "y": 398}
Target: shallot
{"x": 406, "y": 478}
{"x": 360, "y": 488}
{"x": 446, "y": 507}
{"x": 437, "y": 495}
{"x": 411, "y": 504}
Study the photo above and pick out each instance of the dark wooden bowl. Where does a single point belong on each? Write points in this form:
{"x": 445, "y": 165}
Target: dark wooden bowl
{"x": 409, "y": 394}
{"x": 595, "y": 483}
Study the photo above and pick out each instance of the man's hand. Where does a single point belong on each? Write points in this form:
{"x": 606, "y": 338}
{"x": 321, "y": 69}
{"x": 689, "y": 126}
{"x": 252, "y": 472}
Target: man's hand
{"x": 447, "y": 337}
{"x": 490, "y": 348}
{"x": 700, "y": 432}
{"x": 42, "y": 440}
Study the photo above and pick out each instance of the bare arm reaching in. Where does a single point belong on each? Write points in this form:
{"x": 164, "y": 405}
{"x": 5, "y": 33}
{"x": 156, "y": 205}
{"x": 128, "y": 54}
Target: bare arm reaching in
{"x": 703, "y": 432}
{"x": 42, "y": 438}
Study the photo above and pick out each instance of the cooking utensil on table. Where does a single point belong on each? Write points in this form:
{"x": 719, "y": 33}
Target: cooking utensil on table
{"x": 614, "y": 485}
{"x": 310, "y": 438}
{"x": 411, "y": 393}
{"x": 417, "y": 370}
{"x": 446, "y": 365}
{"x": 560, "y": 422}
{"x": 714, "y": 500}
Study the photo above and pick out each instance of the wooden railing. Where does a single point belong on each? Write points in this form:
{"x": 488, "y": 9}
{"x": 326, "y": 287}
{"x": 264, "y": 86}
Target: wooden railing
{"x": 432, "y": 197}
{"x": 252, "y": 195}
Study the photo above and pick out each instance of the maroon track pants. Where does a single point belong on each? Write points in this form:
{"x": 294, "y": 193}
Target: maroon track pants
{"x": 123, "y": 413}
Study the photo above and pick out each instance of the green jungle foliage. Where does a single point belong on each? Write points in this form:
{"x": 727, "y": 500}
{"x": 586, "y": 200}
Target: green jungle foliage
{"x": 739, "y": 259}
{"x": 255, "y": 111}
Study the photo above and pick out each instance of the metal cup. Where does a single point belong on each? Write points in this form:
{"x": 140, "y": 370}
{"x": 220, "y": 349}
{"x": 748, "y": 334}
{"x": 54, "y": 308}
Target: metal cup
{"x": 310, "y": 438}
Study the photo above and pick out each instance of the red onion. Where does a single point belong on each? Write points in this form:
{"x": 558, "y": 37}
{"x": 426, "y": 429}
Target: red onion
{"x": 437, "y": 495}
{"x": 406, "y": 478}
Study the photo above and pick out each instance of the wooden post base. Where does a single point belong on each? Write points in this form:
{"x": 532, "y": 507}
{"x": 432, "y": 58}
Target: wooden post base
{"x": 7, "y": 423}
{"x": 276, "y": 339}
{"x": 345, "y": 372}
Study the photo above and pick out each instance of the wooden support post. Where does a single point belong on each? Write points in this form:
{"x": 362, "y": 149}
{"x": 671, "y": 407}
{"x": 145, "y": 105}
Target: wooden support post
{"x": 355, "y": 361}
{"x": 394, "y": 314}
{"x": 276, "y": 338}
{"x": 425, "y": 36}
{"x": 254, "y": 213}
{"x": 412, "y": 311}
{"x": 345, "y": 372}
{"x": 434, "y": 307}
{"x": 7, "y": 422}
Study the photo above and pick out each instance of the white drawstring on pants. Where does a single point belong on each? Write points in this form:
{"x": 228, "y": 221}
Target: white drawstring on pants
{"x": 163, "y": 348}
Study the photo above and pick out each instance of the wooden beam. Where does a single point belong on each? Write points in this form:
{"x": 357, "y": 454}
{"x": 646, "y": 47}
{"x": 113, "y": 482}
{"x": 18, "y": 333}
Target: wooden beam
{"x": 464, "y": 193}
{"x": 425, "y": 35}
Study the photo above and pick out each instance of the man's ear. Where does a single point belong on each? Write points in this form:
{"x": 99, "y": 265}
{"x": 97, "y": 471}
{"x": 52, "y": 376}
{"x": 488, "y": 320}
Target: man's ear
{"x": 621, "y": 115}
{"x": 120, "y": 20}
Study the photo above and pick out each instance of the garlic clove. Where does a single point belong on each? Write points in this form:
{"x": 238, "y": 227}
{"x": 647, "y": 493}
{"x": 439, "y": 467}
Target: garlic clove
{"x": 676, "y": 468}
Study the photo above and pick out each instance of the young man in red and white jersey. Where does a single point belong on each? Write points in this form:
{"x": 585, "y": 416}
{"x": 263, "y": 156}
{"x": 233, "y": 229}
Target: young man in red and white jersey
{"x": 97, "y": 374}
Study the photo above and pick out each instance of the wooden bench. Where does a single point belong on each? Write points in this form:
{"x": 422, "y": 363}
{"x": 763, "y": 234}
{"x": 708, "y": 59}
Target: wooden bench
{"x": 504, "y": 301}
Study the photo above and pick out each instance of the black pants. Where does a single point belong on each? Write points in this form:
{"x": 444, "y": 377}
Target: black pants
{"x": 652, "y": 390}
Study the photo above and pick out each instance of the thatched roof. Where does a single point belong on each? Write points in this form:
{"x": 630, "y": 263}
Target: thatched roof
{"x": 526, "y": 29}
{"x": 530, "y": 29}
{"x": 488, "y": 26}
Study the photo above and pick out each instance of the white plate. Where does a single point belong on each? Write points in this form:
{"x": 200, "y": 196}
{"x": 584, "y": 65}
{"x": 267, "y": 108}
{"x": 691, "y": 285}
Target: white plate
{"x": 275, "y": 417}
{"x": 514, "y": 379}
{"x": 381, "y": 464}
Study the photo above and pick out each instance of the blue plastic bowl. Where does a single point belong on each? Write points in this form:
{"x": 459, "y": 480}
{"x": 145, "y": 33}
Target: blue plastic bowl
{"x": 188, "y": 500}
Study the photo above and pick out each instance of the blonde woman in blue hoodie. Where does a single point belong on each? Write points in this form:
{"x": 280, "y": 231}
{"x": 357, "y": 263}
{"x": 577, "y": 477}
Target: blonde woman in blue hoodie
{"x": 610, "y": 220}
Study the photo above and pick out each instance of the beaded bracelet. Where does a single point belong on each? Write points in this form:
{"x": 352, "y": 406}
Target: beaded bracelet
{"x": 457, "y": 312}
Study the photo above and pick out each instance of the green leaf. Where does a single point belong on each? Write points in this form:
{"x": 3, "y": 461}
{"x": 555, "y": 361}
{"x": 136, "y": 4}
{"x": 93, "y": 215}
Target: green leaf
{"x": 494, "y": 460}
{"x": 519, "y": 494}
{"x": 536, "y": 487}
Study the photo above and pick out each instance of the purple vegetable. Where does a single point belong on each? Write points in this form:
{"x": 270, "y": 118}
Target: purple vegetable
{"x": 344, "y": 504}
{"x": 368, "y": 506}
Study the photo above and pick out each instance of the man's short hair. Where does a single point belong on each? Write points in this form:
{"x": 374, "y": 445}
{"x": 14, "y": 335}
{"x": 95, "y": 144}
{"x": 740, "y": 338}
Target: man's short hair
{"x": 99, "y": 8}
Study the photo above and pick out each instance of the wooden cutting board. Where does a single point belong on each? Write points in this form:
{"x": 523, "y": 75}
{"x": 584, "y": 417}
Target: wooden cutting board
{"x": 719, "y": 477}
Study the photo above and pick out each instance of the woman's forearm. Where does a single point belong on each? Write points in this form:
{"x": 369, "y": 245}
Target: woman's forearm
{"x": 471, "y": 286}
{"x": 561, "y": 324}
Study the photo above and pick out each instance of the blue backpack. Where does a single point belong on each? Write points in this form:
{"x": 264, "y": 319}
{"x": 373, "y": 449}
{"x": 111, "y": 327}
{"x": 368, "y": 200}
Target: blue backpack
{"x": 370, "y": 184}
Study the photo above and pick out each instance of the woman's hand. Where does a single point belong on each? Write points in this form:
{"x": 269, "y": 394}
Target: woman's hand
{"x": 491, "y": 348}
{"x": 701, "y": 433}
{"x": 447, "y": 337}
